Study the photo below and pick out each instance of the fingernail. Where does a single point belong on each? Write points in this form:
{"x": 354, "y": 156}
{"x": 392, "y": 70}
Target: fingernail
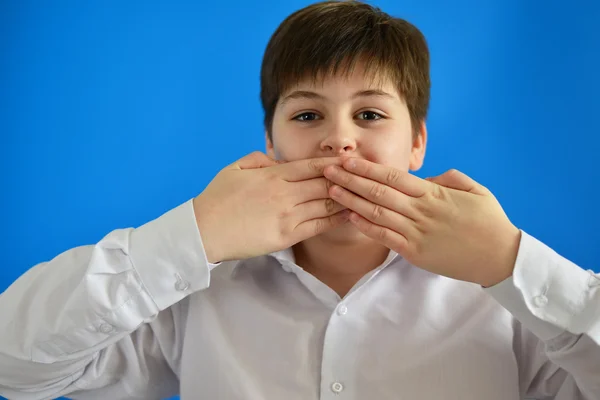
{"x": 350, "y": 164}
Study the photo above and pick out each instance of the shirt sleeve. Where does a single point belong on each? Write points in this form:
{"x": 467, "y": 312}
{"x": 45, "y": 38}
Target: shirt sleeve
{"x": 557, "y": 306}
{"x": 101, "y": 319}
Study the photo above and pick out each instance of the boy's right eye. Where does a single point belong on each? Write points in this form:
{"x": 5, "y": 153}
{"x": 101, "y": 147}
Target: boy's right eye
{"x": 306, "y": 117}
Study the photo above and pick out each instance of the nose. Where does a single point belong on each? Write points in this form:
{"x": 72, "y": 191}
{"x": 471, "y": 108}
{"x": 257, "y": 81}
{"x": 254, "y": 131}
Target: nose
{"x": 339, "y": 140}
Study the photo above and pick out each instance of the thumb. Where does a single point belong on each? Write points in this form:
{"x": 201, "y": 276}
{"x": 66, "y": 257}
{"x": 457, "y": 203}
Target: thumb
{"x": 253, "y": 160}
{"x": 455, "y": 179}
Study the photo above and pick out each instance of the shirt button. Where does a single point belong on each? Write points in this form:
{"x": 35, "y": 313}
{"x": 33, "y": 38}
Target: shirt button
{"x": 106, "y": 328}
{"x": 540, "y": 301}
{"x": 337, "y": 387}
{"x": 181, "y": 285}
{"x": 342, "y": 310}
{"x": 594, "y": 280}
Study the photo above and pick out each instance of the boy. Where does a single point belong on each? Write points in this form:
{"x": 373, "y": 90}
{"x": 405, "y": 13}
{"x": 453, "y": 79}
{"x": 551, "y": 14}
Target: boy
{"x": 321, "y": 270}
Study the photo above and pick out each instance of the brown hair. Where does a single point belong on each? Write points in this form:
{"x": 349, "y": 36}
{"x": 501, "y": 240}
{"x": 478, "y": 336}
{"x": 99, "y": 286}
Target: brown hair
{"x": 328, "y": 38}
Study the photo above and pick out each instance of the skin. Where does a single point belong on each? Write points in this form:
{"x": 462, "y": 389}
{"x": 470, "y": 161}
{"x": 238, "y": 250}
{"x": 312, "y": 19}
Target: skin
{"x": 335, "y": 185}
{"x": 347, "y": 116}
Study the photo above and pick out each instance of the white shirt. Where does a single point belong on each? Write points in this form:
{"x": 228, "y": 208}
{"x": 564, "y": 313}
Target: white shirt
{"x": 143, "y": 315}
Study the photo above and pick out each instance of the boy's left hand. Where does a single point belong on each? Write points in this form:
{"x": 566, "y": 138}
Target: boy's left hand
{"x": 449, "y": 225}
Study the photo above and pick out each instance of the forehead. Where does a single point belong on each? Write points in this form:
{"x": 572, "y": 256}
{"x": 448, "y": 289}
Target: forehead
{"x": 359, "y": 76}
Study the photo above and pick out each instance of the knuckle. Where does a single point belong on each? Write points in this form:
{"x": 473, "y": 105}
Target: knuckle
{"x": 341, "y": 176}
{"x": 453, "y": 171}
{"x": 284, "y": 214}
{"x": 346, "y": 178}
{"x": 393, "y": 176}
{"x": 439, "y": 192}
{"x": 257, "y": 155}
{"x": 376, "y": 213}
{"x": 381, "y": 233}
{"x": 430, "y": 196}
{"x": 320, "y": 226}
{"x": 329, "y": 205}
{"x": 418, "y": 247}
{"x": 423, "y": 207}
{"x": 316, "y": 164}
{"x": 285, "y": 228}
{"x": 377, "y": 191}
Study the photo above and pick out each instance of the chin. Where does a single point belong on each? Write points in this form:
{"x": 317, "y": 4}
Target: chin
{"x": 345, "y": 232}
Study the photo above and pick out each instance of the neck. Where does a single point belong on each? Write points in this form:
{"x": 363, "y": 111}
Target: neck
{"x": 339, "y": 263}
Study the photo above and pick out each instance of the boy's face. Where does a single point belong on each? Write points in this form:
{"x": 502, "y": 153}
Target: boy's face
{"x": 347, "y": 115}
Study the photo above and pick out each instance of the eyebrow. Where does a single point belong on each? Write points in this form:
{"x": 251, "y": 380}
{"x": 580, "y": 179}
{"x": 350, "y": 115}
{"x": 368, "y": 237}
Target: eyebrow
{"x": 304, "y": 94}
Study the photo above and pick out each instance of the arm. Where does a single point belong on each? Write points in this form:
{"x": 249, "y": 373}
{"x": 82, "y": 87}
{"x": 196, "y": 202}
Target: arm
{"x": 453, "y": 226}
{"x": 558, "y": 305}
{"x": 104, "y": 321}
{"x": 97, "y": 318}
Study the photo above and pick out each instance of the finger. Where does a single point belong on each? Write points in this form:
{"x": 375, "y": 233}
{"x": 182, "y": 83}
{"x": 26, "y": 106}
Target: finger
{"x": 371, "y": 190}
{"x": 389, "y": 238}
{"x": 294, "y": 171}
{"x": 317, "y": 226}
{"x": 399, "y": 180}
{"x": 310, "y": 189}
{"x": 316, "y": 209}
{"x": 455, "y": 179}
{"x": 254, "y": 160}
{"x": 373, "y": 212}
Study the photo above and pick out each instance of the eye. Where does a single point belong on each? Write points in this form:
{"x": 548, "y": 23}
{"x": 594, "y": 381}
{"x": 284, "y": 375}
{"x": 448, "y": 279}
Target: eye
{"x": 307, "y": 117}
{"x": 369, "y": 115}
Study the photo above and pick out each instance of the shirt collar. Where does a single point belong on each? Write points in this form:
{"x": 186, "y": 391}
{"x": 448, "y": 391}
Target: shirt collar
{"x": 287, "y": 260}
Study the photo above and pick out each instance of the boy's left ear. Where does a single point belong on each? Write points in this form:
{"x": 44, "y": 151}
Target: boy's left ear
{"x": 419, "y": 145}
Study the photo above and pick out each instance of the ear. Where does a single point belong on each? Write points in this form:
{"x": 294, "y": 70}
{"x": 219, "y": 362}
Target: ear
{"x": 417, "y": 153}
{"x": 270, "y": 148}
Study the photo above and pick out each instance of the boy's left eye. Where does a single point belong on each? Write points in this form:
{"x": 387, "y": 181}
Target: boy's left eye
{"x": 369, "y": 115}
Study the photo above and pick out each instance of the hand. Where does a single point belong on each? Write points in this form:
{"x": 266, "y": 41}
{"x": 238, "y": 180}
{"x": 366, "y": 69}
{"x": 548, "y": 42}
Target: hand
{"x": 449, "y": 225}
{"x": 256, "y": 206}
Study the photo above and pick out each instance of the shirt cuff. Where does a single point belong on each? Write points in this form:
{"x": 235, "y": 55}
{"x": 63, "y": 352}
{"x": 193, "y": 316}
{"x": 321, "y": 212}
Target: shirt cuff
{"x": 547, "y": 293}
{"x": 169, "y": 256}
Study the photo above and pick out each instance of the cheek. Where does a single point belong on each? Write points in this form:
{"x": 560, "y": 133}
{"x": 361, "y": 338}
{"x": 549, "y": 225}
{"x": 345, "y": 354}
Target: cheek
{"x": 290, "y": 147}
{"x": 287, "y": 145}
{"x": 392, "y": 149}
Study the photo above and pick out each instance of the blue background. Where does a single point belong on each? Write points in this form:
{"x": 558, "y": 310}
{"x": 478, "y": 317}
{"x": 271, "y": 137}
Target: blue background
{"x": 113, "y": 112}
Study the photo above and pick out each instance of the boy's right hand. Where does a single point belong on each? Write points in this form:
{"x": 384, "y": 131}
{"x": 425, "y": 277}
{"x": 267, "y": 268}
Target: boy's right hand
{"x": 256, "y": 206}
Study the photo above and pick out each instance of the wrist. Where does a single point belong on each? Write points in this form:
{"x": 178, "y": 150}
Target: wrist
{"x": 504, "y": 258}
{"x": 205, "y": 225}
